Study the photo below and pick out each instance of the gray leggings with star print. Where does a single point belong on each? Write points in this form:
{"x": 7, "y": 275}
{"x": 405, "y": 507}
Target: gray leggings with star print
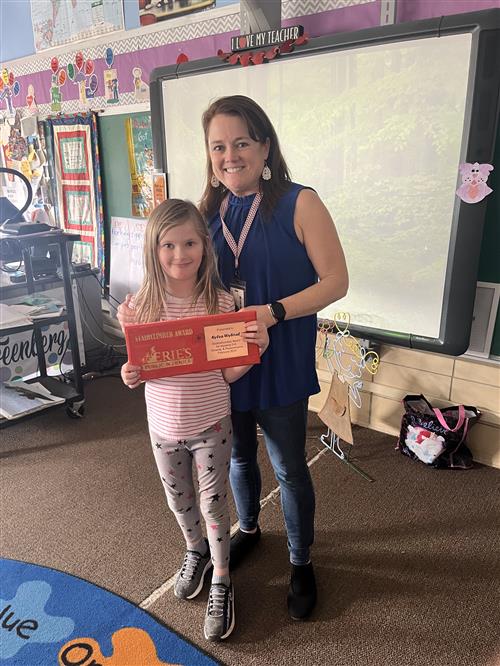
{"x": 210, "y": 454}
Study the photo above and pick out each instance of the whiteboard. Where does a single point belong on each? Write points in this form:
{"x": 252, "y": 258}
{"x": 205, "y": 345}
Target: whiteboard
{"x": 126, "y": 268}
{"x": 378, "y": 126}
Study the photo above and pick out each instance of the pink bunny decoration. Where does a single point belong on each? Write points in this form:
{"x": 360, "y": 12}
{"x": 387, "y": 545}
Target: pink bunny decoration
{"x": 474, "y": 176}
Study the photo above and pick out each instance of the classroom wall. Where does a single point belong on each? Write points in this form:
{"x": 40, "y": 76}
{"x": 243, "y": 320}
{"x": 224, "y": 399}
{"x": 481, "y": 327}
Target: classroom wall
{"x": 16, "y": 33}
{"x": 444, "y": 380}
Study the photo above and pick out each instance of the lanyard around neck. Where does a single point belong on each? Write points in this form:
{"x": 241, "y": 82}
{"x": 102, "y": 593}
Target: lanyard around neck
{"x": 236, "y": 249}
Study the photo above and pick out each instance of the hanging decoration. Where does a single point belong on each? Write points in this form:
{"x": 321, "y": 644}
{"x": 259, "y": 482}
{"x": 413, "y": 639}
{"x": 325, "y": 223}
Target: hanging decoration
{"x": 140, "y": 155}
{"x": 82, "y": 74}
{"x": 9, "y": 88}
{"x": 275, "y": 43}
{"x": 474, "y": 176}
{"x": 31, "y": 101}
{"x": 57, "y": 81}
{"x": 110, "y": 79}
{"x": 78, "y": 184}
{"x": 141, "y": 88}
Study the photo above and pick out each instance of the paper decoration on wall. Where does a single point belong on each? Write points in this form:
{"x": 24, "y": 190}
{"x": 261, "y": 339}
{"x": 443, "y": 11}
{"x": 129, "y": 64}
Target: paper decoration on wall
{"x": 58, "y": 80}
{"x": 141, "y": 89}
{"x": 30, "y": 100}
{"x": 82, "y": 73}
{"x": 109, "y": 57}
{"x": 9, "y": 88}
{"x": 111, "y": 85}
{"x": 474, "y": 176}
{"x": 140, "y": 156}
{"x": 159, "y": 188}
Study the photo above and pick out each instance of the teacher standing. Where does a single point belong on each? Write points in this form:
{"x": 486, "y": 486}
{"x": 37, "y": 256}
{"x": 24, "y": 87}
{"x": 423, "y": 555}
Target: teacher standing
{"x": 279, "y": 254}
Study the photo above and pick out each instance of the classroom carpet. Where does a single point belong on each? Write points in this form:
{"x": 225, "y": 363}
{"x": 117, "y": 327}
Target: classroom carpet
{"x": 407, "y": 565}
{"x": 49, "y": 617}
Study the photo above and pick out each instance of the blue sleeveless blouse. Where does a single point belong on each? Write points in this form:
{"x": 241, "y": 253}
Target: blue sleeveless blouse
{"x": 274, "y": 264}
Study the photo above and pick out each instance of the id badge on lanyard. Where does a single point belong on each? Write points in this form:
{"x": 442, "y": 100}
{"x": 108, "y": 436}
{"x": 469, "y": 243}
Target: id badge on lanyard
{"x": 238, "y": 289}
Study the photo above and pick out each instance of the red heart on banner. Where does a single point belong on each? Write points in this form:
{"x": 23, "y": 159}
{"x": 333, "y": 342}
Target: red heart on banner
{"x": 287, "y": 46}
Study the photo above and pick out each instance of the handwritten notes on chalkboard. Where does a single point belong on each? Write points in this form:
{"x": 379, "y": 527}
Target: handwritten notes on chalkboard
{"x": 126, "y": 270}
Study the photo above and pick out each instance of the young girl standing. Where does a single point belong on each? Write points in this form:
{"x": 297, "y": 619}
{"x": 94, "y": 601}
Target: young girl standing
{"x": 189, "y": 415}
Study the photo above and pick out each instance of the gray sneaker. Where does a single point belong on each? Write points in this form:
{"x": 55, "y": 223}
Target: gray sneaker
{"x": 219, "y": 618}
{"x": 192, "y": 574}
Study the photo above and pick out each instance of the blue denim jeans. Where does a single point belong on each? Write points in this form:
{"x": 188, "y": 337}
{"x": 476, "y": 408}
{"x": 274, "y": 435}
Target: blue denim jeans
{"x": 284, "y": 430}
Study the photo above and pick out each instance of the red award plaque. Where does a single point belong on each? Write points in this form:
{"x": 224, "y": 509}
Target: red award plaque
{"x": 194, "y": 344}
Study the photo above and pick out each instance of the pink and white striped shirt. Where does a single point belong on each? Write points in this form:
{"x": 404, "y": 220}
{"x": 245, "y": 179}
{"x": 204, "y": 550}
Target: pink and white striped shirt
{"x": 184, "y": 406}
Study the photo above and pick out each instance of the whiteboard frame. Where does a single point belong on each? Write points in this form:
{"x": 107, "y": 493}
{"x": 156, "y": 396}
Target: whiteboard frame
{"x": 480, "y": 127}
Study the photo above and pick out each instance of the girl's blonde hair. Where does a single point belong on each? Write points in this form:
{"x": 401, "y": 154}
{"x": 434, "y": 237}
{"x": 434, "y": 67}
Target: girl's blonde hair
{"x": 150, "y": 299}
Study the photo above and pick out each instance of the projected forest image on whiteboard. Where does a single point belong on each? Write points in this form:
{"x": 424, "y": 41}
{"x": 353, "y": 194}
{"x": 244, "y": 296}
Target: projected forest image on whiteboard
{"x": 377, "y": 132}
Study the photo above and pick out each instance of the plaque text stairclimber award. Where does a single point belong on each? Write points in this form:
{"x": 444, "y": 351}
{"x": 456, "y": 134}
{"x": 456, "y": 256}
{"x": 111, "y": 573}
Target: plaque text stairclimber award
{"x": 194, "y": 344}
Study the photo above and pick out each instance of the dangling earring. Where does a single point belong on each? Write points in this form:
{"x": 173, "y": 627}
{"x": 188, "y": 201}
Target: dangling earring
{"x": 266, "y": 172}
{"x": 214, "y": 182}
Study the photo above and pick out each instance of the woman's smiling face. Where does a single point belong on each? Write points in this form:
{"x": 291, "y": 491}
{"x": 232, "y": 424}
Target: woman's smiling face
{"x": 237, "y": 159}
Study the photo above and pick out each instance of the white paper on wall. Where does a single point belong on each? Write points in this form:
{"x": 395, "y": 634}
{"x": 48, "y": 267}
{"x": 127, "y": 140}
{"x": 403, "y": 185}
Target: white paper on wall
{"x": 127, "y": 235}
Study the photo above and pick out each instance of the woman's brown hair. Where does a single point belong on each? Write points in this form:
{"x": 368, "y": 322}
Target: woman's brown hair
{"x": 260, "y": 128}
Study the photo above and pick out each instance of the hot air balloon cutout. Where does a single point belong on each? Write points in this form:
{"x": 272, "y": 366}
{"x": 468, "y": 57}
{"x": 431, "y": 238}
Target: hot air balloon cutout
{"x": 82, "y": 73}
{"x": 141, "y": 88}
{"x": 31, "y": 101}
{"x": 58, "y": 79}
{"x": 9, "y": 88}
{"x": 110, "y": 79}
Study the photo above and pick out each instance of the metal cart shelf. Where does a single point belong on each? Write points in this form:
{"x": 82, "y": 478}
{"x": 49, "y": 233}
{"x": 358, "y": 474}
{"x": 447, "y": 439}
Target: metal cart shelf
{"x": 31, "y": 248}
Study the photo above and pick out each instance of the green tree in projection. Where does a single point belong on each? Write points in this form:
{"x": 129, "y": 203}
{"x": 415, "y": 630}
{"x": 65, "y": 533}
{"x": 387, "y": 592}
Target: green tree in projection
{"x": 394, "y": 119}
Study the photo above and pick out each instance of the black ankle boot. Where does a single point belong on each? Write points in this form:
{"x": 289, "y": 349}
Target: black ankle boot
{"x": 240, "y": 545}
{"x": 301, "y": 597}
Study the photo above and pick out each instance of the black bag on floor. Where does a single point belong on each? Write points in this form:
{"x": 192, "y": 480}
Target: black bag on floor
{"x": 434, "y": 436}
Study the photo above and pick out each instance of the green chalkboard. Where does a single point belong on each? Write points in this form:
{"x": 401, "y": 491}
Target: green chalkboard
{"x": 115, "y": 171}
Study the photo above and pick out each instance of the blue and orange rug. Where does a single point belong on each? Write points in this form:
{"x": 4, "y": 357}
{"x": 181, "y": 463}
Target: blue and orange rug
{"x": 49, "y": 618}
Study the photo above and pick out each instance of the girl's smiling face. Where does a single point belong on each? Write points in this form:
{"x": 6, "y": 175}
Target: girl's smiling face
{"x": 237, "y": 159}
{"x": 180, "y": 253}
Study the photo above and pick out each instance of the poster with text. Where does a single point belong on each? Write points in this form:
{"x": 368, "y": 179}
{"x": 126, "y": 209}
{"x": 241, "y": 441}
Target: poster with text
{"x": 56, "y": 22}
